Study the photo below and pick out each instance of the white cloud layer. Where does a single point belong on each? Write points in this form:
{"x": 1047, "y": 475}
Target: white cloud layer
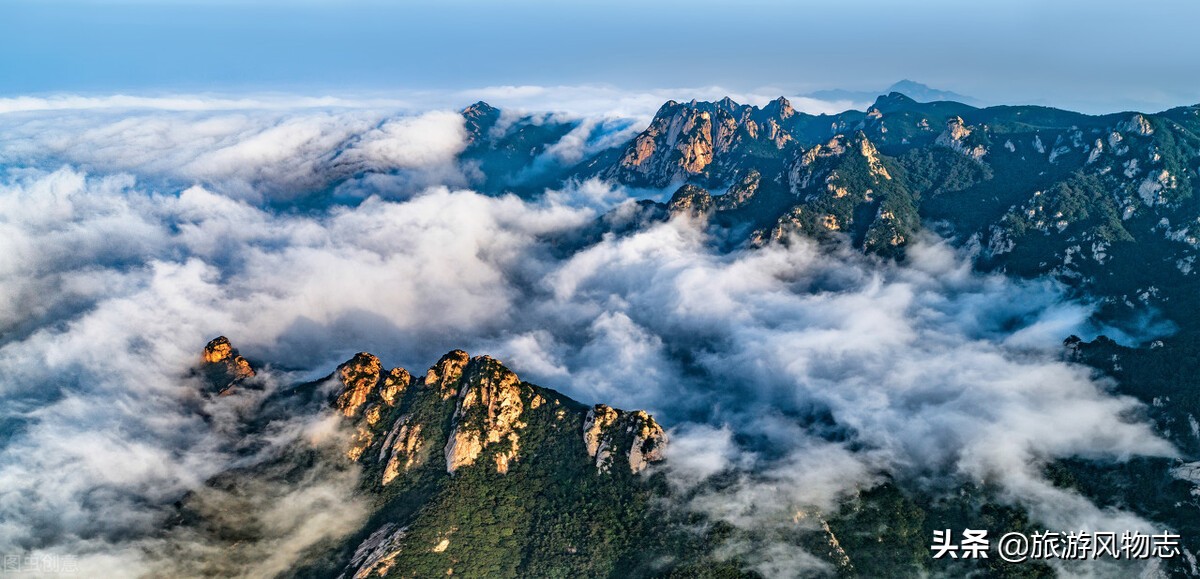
{"x": 592, "y": 100}
{"x": 111, "y": 282}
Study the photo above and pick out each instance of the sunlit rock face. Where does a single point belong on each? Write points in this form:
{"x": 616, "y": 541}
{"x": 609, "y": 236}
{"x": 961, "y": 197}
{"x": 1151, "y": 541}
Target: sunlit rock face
{"x": 609, "y": 433}
{"x": 360, "y": 376}
{"x": 480, "y": 409}
{"x": 686, "y": 139}
{"x": 956, "y": 136}
{"x": 401, "y": 448}
{"x": 223, "y": 366}
{"x": 1137, "y": 124}
{"x": 489, "y": 413}
{"x": 444, "y": 376}
{"x": 367, "y": 395}
{"x": 466, "y": 429}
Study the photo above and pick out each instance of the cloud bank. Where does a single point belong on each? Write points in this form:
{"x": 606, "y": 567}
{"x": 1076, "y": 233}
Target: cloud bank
{"x": 805, "y": 375}
{"x": 590, "y": 100}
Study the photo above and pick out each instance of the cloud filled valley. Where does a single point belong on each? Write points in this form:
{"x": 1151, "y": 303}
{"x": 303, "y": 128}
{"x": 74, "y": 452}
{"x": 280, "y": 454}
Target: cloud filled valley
{"x": 797, "y": 373}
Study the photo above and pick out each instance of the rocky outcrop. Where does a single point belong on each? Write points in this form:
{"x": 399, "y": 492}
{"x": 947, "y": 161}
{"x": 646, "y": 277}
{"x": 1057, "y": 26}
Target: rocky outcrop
{"x": 599, "y": 420}
{"x": 488, "y": 415}
{"x": 1151, "y": 188}
{"x": 360, "y": 378}
{"x": 874, "y": 166}
{"x": 817, "y": 164}
{"x": 479, "y": 408}
{"x": 790, "y": 223}
{"x": 365, "y": 394}
{"x": 690, "y": 200}
{"x": 741, "y": 193}
{"x": 1138, "y": 125}
{"x": 479, "y": 119}
{"x": 445, "y": 375}
{"x": 223, "y": 367}
{"x": 956, "y": 136}
{"x": 634, "y": 436}
{"x": 375, "y": 556}
{"x": 686, "y": 139}
{"x": 677, "y": 144}
{"x": 394, "y": 386}
{"x": 649, "y": 442}
{"x": 805, "y": 168}
{"x": 401, "y": 449}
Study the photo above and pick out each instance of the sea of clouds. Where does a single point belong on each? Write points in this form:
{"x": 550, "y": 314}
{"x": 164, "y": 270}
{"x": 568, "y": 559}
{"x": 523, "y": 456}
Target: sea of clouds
{"x": 132, "y": 234}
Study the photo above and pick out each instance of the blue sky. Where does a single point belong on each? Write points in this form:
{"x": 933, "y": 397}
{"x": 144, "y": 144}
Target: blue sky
{"x": 1092, "y": 56}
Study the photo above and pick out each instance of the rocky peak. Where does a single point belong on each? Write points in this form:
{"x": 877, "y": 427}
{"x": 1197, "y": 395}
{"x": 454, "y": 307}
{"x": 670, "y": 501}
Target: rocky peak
{"x": 728, "y": 105}
{"x": 394, "y": 385}
{"x": 892, "y": 102}
{"x": 955, "y": 136}
{"x": 395, "y": 421}
{"x": 480, "y": 118}
{"x": 218, "y": 350}
{"x": 780, "y": 109}
{"x": 649, "y": 441}
{"x": 488, "y": 414}
{"x": 685, "y": 140}
{"x": 607, "y": 431}
{"x": 690, "y": 200}
{"x": 223, "y": 366}
{"x": 598, "y": 420}
{"x": 366, "y": 393}
{"x": 678, "y": 143}
{"x": 359, "y": 377}
{"x": 365, "y": 385}
{"x": 956, "y": 129}
{"x": 808, "y": 164}
{"x": 1138, "y": 125}
{"x": 480, "y": 109}
{"x": 446, "y": 374}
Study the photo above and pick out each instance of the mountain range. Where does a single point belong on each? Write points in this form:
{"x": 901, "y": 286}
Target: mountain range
{"x": 468, "y": 470}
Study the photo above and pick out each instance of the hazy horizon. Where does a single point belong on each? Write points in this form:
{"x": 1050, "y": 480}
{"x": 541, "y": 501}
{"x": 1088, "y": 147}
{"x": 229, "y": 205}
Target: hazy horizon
{"x": 1073, "y": 55}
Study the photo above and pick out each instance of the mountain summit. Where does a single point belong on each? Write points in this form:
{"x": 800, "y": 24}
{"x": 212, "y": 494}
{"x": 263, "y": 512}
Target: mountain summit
{"x": 468, "y": 470}
{"x": 915, "y": 90}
